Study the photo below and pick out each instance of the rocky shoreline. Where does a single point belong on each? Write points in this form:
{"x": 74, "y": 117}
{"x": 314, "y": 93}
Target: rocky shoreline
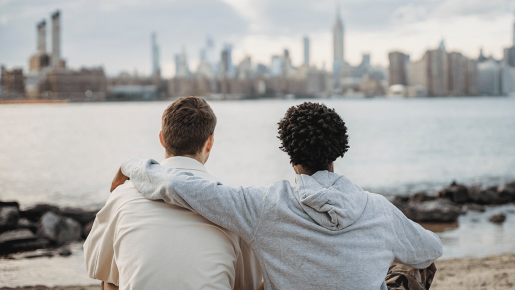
{"x": 52, "y": 228}
{"x": 448, "y": 204}
{"x": 42, "y": 227}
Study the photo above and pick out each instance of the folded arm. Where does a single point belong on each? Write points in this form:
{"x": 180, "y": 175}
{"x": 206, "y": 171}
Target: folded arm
{"x": 235, "y": 208}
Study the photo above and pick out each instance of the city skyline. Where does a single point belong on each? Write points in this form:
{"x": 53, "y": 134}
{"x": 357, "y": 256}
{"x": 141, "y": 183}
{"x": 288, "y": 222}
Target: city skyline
{"x": 257, "y": 42}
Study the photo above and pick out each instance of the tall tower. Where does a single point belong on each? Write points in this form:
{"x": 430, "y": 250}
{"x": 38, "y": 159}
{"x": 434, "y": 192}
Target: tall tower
{"x": 306, "y": 51}
{"x": 56, "y": 40}
{"x": 156, "y": 70}
{"x": 42, "y": 36}
{"x": 338, "y": 33}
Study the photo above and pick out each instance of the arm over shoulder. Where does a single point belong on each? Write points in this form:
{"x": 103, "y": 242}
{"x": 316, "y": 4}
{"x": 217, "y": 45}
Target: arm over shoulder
{"x": 235, "y": 208}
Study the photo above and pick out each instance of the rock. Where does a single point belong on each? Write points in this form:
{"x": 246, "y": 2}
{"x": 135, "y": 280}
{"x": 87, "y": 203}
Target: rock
{"x": 455, "y": 192}
{"x": 9, "y": 203}
{"x": 492, "y": 196}
{"x": 40, "y": 243}
{"x": 440, "y": 210}
{"x": 59, "y": 229}
{"x": 507, "y": 191}
{"x": 398, "y": 200}
{"x": 9, "y": 216}
{"x": 421, "y": 196}
{"x": 498, "y": 218}
{"x": 64, "y": 251}
{"x": 472, "y": 207}
{"x": 475, "y": 193}
{"x": 79, "y": 215}
{"x": 87, "y": 229}
{"x": 25, "y": 223}
{"x": 16, "y": 235}
{"x": 36, "y": 212}
{"x": 20, "y": 240}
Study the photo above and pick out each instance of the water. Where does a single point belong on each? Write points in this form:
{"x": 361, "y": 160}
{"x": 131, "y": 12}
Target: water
{"x": 67, "y": 154}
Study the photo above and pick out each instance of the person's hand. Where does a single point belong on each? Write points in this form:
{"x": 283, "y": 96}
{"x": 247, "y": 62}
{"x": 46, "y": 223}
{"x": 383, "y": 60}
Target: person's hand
{"x": 119, "y": 179}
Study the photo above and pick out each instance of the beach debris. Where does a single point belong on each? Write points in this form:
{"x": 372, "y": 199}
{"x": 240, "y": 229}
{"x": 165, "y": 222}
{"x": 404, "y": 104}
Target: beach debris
{"x": 438, "y": 210}
{"x": 59, "y": 229}
{"x": 498, "y": 218}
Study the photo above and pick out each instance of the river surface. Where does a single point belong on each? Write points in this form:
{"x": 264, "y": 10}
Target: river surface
{"x": 67, "y": 154}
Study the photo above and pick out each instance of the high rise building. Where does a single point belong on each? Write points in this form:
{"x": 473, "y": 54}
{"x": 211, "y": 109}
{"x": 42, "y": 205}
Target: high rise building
{"x": 398, "y": 68}
{"x": 457, "y": 70}
{"x": 156, "y": 69}
{"x": 56, "y": 40}
{"x": 181, "y": 64}
{"x": 227, "y": 65}
{"x": 306, "y": 51}
{"x": 431, "y": 72}
{"x": 338, "y": 41}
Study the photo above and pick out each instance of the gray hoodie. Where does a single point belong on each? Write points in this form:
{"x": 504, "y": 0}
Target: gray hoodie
{"x": 324, "y": 233}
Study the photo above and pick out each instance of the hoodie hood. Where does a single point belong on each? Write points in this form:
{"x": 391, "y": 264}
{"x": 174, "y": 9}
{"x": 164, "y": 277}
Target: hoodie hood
{"x": 331, "y": 200}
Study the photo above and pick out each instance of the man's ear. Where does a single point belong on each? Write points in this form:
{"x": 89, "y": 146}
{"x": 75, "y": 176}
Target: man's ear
{"x": 209, "y": 142}
{"x": 161, "y": 139}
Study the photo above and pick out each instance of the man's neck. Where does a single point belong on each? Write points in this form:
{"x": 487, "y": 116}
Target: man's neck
{"x": 196, "y": 157}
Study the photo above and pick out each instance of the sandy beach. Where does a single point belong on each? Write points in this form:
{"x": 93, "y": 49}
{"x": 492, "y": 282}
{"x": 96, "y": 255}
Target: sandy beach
{"x": 493, "y": 272}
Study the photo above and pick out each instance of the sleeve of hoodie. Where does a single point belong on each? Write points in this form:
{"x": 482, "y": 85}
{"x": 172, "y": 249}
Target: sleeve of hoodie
{"x": 413, "y": 245}
{"x": 235, "y": 208}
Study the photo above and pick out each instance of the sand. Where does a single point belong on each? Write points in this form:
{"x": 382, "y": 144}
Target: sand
{"x": 494, "y": 272}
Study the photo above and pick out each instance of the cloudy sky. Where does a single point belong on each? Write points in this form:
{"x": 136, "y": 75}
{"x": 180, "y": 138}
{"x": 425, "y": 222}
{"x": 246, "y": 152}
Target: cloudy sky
{"x": 116, "y": 33}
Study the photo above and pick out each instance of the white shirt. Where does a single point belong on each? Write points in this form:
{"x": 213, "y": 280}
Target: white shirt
{"x": 137, "y": 243}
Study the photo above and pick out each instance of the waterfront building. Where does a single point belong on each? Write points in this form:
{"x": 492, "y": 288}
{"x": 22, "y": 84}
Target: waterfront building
{"x": 488, "y": 77}
{"x": 431, "y": 72}
{"x": 398, "y": 68}
{"x": 12, "y": 83}
{"x": 457, "y": 68}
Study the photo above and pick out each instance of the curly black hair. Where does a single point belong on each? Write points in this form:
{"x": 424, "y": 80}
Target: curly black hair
{"x": 313, "y": 136}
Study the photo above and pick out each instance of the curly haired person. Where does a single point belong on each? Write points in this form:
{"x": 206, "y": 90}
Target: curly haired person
{"x": 324, "y": 232}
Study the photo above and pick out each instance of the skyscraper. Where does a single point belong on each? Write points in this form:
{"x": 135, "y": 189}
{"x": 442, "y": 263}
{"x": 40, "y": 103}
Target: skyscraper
{"x": 306, "y": 51}
{"x": 397, "y": 69}
{"x": 338, "y": 32}
{"x": 156, "y": 70}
